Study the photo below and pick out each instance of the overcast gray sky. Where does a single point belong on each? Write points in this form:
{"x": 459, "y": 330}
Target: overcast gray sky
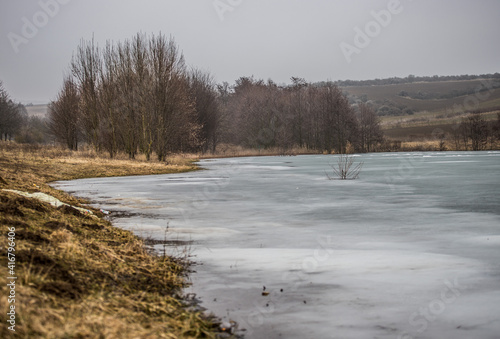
{"x": 269, "y": 39}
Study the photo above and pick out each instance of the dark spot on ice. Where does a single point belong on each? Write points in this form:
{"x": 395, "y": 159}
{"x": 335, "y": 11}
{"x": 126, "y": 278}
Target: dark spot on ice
{"x": 385, "y": 328}
{"x": 122, "y": 214}
{"x": 467, "y": 328}
{"x": 126, "y": 214}
{"x": 150, "y": 241}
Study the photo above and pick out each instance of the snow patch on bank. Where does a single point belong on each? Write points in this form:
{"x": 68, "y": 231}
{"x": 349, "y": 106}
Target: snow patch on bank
{"x": 48, "y": 199}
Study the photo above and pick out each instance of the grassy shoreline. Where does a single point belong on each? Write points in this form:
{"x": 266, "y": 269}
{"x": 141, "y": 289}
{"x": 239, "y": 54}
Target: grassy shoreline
{"x": 78, "y": 276}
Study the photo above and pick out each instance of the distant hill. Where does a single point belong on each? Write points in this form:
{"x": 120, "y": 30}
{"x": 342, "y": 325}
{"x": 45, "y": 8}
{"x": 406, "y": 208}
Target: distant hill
{"x": 37, "y": 110}
{"x": 414, "y": 110}
{"x": 412, "y": 79}
{"x": 430, "y": 96}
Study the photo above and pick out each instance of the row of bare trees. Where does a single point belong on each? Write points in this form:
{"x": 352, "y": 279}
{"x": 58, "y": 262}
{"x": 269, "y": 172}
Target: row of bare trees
{"x": 262, "y": 114}
{"x": 135, "y": 96}
{"x": 138, "y": 96}
{"x": 17, "y": 125}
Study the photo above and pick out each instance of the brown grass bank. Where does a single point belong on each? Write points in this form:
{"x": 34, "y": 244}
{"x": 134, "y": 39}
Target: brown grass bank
{"x": 234, "y": 151}
{"x": 77, "y": 276}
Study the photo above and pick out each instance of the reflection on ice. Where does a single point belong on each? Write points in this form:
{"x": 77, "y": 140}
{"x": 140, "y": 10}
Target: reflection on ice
{"x": 409, "y": 250}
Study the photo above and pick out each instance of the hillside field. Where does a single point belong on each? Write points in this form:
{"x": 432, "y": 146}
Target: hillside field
{"x": 430, "y": 115}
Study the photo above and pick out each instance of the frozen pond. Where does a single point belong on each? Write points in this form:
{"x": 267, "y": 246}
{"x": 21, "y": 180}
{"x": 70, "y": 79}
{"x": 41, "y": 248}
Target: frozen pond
{"x": 411, "y": 249}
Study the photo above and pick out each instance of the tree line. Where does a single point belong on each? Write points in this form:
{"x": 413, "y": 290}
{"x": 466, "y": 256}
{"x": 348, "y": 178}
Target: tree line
{"x": 452, "y": 94}
{"x": 412, "y": 78}
{"x": 11, "y": 115}
{"x": 318, "y": 117}
{"x": 475, "y": 133}
{"x": 138, "y": 96}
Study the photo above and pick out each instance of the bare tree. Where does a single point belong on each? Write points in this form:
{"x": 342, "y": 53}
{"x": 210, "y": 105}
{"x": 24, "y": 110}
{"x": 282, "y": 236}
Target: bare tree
{"x": 313, "y": 127}
{"x": 339, "y": 124}
{"x": 64, "y": 115}
{"x": 298, "y": 107}
{"x": 109, "y": 113}
{"x": 370, "y": 132}
{"x": 175, "y": 126}
{"x": 203, "y": 91}
{"x": 496, "y": 128}
{"x": 141, "y": 61}
{"x": 456, "y": 135}
{"x": 475, "y": 129}
{"x": 226, "y": 113}
{"x": 86, "y": 68}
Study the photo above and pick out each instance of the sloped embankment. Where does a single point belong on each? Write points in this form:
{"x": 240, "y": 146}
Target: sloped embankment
{"x": 77, "y": 276}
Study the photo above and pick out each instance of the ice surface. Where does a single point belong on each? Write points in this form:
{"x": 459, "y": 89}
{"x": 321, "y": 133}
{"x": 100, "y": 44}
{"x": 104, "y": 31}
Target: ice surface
{"x": 409, "y": 250}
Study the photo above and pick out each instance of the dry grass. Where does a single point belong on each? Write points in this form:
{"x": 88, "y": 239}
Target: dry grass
{"x": 80, "y": 277}
{"x": 435, "y": 146}
{"x": 30, "y": 168}
{"x": 424, "y": 145}
{"x": 232, "y": 151}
